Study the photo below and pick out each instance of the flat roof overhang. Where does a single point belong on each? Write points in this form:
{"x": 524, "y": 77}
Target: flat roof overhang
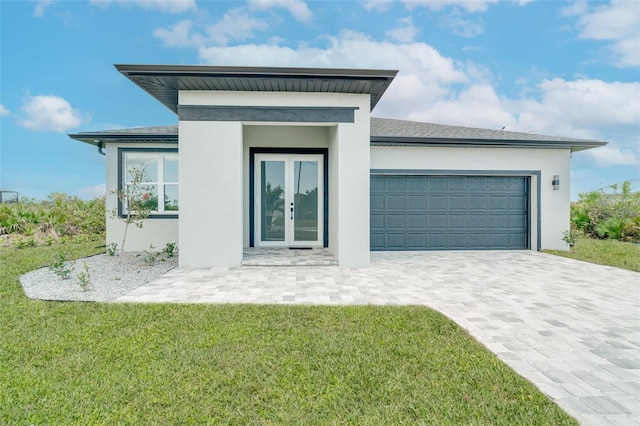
{"x": 163, "y": 82}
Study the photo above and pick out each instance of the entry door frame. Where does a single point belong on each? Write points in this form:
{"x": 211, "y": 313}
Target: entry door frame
{"x": 253, "y": 191}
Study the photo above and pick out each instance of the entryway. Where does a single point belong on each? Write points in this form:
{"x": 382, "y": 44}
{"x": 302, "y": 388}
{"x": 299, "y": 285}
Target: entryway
{"x": 289, "y": 200}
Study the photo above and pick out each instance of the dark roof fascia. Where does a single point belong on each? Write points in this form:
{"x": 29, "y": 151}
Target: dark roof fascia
{"x": 171, "y": 75}
{"x": 95, "y": 138}
{"x": 577, "y": 145}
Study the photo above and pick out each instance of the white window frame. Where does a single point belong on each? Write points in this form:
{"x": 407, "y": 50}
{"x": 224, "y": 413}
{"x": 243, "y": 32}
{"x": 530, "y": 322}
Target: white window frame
{"x": 158, "y": 155}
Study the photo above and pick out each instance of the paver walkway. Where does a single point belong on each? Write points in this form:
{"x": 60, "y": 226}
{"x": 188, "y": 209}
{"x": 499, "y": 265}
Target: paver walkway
{"x": 571, "y": 328}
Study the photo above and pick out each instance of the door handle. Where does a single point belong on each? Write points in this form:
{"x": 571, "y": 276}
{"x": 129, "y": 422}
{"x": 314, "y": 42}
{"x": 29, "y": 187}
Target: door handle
{"x": 291, "y": 211}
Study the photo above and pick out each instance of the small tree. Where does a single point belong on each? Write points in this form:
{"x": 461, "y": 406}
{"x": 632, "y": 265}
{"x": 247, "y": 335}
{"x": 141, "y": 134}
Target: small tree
{"x": 136, "y": 200}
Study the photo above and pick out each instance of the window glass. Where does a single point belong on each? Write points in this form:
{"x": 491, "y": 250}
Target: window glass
{"x": 171, "y": 197}
{"x": 158, "y": 189}
{"x": 147, "y": 164}
{"x": 144, "y": 196}
{"x": 171, "y": 168}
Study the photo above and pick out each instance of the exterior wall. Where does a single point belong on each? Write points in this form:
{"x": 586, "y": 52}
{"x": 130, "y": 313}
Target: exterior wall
{"x": 217, "y": 152}
{"x": 210, "y": 193}
{"x": 155, "y": 231}
{"x": 554, "y": 205}
{"x": 352, "y": 173}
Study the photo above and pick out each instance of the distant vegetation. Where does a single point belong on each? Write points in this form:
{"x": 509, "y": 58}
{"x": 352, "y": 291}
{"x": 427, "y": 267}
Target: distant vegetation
{"x": 608, "y": 215}
{"x": 60, "y": 217}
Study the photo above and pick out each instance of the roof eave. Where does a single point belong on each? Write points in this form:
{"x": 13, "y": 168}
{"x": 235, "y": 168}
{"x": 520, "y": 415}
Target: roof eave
{"x": 176, "y": 72}
{"x": 577, "y": 145}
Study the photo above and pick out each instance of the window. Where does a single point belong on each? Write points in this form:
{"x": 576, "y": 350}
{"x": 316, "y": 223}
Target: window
{"x": 156, "y": 174}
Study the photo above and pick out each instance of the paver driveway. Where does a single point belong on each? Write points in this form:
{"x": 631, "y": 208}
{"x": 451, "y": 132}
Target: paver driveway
{"x": 570, "y": 327}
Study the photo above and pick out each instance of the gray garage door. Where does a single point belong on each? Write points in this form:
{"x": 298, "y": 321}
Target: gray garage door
{"x": 449, "y": 212}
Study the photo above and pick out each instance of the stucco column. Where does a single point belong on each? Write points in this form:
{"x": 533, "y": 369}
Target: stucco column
{"x": 210, "y": 223}
{"x": 353, "y": 173}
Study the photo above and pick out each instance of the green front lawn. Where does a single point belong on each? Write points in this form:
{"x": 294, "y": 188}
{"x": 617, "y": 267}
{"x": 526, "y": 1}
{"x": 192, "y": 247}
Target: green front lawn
{"x": 615, "y": 253}
{"x": 92, "y": 363}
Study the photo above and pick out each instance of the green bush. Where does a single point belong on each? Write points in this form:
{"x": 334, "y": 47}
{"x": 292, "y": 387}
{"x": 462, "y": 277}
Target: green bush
{"x": 614, "y": 215}
{"x": 58, "y": 218}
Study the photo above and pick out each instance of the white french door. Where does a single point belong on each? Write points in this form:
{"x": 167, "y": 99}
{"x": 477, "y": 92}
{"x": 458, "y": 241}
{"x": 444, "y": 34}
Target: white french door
{"x": 289, "y": 200}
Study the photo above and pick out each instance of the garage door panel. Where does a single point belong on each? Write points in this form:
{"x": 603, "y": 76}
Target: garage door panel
{"x": 396, "y": 183}
{"x": 458, "y": 202}
{"x": 377, "y": 202}
{"x": 396, "y": 221}
{"x": 377, "y": 240}
{"x": 478, "y": 221}
{"x": 377, "y": 222}
{"x": 517, "y": 221}
{"x": 458, "y": 222}
{"x": 517, "y": 203}
{"x": 417, "y": 221}
{"x": 416, "y": 241}
{"x": 449, "y": 212}
{"x": 417, "y": 202}
{"x": 497, "y": 222}
{"x": 417, "y": 184}
{"x": 459, "y": 184}
{"x": 395, "y": 241}
{"x": 438, "y": 183}
{"x": 478, "y": 202}
{"x": 458, "y": 241}
{"x": 437, "y": 221}
{"x": 498, "y": 203}
{"x": 437, "y": 202}
{"x": 437, "y": 241}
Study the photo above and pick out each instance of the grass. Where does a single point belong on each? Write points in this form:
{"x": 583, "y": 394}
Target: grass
{"x": 92, "y": 363}
{"x": 604, "y": 252}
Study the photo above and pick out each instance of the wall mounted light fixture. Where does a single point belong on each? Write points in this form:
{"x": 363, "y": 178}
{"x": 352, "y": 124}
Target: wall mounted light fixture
{"x": 556, "y": 182}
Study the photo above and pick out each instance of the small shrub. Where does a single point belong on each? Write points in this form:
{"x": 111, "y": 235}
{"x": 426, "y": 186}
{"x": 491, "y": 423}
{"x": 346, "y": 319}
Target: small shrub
{"x": 570, "y": 237}
{"x": 60, "y": 266}
{"x": 150, "y": 257}
{"x": 112, "y": 249}
{"x": 22, "y": 242}
{"x": 84, "y": 278}
{"x": 48, "y": 240}
{"x": 171, "y": 249}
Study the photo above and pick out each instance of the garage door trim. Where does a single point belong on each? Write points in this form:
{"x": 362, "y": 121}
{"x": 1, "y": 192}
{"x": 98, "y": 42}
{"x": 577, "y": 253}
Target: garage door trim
{"x": 518, "y": 173}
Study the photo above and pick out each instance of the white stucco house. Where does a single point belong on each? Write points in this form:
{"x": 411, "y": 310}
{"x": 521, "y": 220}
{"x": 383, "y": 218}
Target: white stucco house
{"x": 291, "y": 157}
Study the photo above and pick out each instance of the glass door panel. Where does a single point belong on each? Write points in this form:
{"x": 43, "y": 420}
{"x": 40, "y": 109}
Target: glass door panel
{"x": 272, "y": 200}
{"x": 305, "y": 175}
{"x": 289, "y": 200}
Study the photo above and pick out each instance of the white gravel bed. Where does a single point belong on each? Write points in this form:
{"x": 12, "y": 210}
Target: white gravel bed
{"x": 110, "y": 277}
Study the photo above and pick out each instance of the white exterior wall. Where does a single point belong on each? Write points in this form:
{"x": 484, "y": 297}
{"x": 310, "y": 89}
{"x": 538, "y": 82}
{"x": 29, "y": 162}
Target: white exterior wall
{"x": 210, "y": 164}
{"x": 157, "y": 232}
{"x": 554, "y": 205}
{"x": 214, "y": 218}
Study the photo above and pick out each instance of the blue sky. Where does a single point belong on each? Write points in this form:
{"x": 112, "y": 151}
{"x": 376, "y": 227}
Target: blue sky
{"x": 549, "y": 67}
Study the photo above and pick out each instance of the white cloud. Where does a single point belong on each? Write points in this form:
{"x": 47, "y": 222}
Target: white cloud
{"x": 92, "y": 192}
{"x": 404, "y": 32}
{"x": 617, "y": 23}
{"x": 4, "y": 111}
{"x": 462, "y": 27}
{"x": 177, "y": 36}
{"x": 41, "y": 5}
{"x": 378, "y": 5}
{"x": 298, "y": 8}
{"x": 468, "y": 5}
{"x": 586, "y": 108}
{"x": 168, "y": 6}
{"x": 49, "y": 113}
{"x": 235, "y": 25}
